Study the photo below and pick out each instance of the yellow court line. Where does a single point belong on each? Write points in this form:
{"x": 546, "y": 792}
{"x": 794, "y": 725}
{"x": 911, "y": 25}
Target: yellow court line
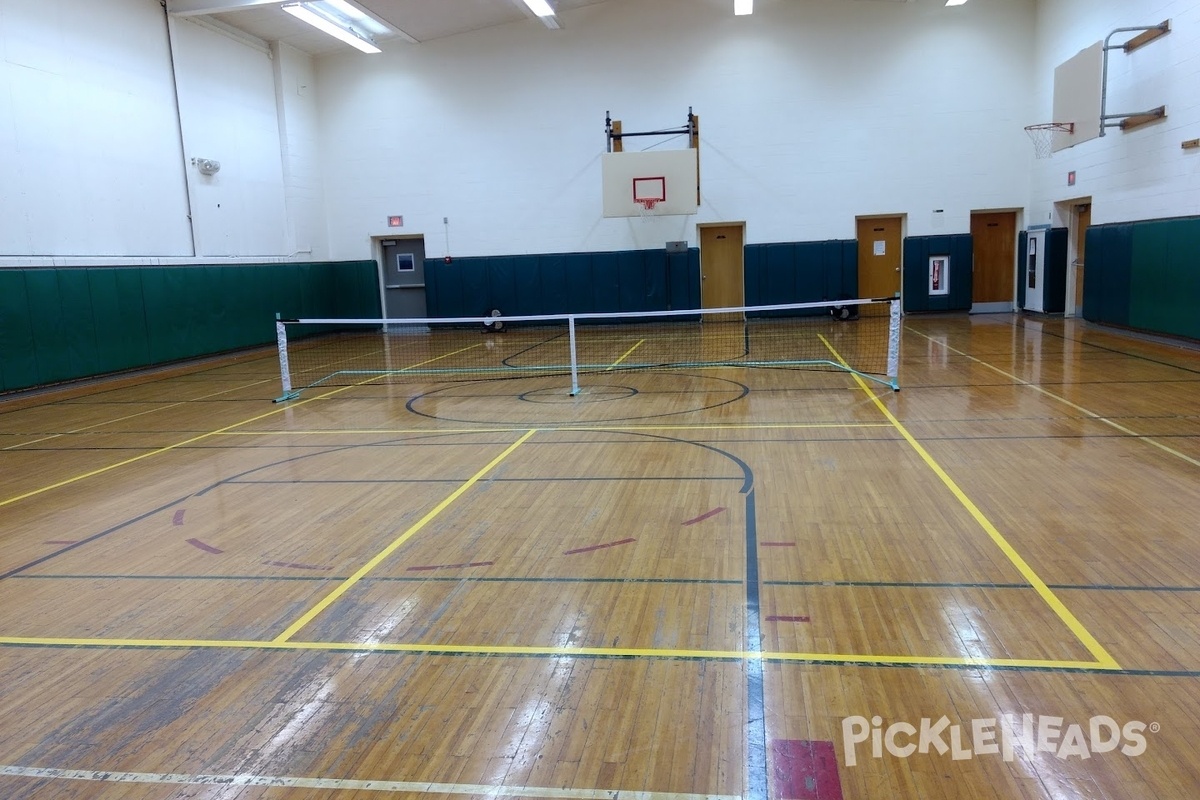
{"x": 628, "y": 352}
{"x": 1065, "y": 401}
{"x": 560, "y": 428}
{"x": 531, "y": 650}
{"x": 201, "y": 437}
{"x": 131, "y": 416}
{"x": 1085, "y": 637}
{"x": 35, "y": 441}
{"x": 346, "y": 585}
{"x": 720, "y": 427}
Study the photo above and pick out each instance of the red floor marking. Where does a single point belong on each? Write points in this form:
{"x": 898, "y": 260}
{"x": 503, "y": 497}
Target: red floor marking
{"x": 596, "y": 547}
{"x": 179, "y": 516}
{"x": 777, "y": 544}
{"x": 451, "y": 566}
{"x": 208, "y": 548}
{"x": 705, "y": 515}
{"x": 774, "y": 618}
{"x": 804, "y": 770}
{"x": 290, "y": 565}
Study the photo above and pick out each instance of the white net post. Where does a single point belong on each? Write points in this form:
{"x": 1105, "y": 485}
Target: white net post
{"x": 285, "y": 373}
{"x": 893, "y": 356}
{"x": 574, "y": 359}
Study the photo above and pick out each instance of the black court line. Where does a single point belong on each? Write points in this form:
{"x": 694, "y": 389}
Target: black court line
{"x": 1079, "y": 587}
{"x": 1114, "y": 350}
{"x": 456, "y": 481}
{"x": 386, "y": 579}
{"x": 742, "y": 390}
{"x": 750, "y": 441}
{"x": 1083, "y": 587}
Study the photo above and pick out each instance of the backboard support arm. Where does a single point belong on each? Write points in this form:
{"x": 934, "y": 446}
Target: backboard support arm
{"x": 1146, "y": 34}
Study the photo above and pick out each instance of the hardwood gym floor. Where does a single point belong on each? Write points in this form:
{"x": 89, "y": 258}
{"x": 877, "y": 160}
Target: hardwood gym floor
{"x": 737, "y": 583}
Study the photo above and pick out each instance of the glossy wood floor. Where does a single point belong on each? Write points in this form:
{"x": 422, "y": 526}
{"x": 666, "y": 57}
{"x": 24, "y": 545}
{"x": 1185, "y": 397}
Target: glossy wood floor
{"x": 735, "y": 583}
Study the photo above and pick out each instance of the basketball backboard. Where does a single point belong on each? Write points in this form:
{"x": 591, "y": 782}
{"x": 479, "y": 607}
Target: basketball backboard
{"x": 1078, "y": 86}
{"x": 651, "y": 182}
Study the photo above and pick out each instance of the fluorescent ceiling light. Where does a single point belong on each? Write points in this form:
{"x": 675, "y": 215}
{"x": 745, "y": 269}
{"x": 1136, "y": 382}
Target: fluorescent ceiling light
{"x": 743, "y": 7}
{"x": 955, "y": 2}
{"x": 334, "y": 27}
{"x": 540, "y": 7}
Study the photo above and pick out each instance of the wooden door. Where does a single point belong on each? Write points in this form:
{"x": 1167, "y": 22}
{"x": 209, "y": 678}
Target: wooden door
{"x": 1083, "y": 221}
{"x": 722, "y": 283}
{"x": 879, "y": 241}
{"x": 994, "y": 239}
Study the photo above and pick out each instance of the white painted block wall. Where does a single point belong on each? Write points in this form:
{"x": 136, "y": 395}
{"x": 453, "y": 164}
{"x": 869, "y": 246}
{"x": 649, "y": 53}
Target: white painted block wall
{"x": 96, "y": 164}
{"x": 811, "y": 113}
{"x": 90, "y": 161}
{"x": 1139, "y": 174}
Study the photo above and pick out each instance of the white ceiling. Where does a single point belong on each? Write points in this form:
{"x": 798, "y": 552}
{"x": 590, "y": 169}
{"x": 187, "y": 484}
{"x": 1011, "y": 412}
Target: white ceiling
{"x": 421, "y": 20}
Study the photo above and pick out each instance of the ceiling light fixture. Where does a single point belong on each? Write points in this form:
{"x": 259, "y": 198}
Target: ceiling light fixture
{"x": 334, "y": 26}
{"x": 743, "y": 7}
{"x": 540, "y": 7}
{"x": 955, "y": 2}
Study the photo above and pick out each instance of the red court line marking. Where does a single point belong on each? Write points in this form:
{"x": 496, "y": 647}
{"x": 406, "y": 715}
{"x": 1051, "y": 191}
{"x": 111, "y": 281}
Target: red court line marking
{"x": 775, "y": 618}
{"x": 776, "y": 544}
{"x": 208, "y": 548}
{"x": 178, "y": 520}
{"x": 705, "y": 515}
{"x": 62, "y": 541}
{"x": 451, "y": 566}
{"x": 805, "y": 770}
{"x": 290, "y": 565}
{"x": 596, "y": 547}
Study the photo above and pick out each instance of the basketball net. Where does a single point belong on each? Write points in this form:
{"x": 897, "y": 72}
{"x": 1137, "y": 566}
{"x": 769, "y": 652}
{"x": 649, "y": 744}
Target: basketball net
{"x": 647, "y": 204}
{"x": 1042, "y": 136}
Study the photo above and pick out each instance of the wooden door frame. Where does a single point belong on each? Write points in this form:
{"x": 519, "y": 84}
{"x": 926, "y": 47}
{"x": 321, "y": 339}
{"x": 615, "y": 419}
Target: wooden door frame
{"x": 1068, "y": 210}
{"x": 1017, "y": 213}
{"x": 903, "y": 217}
{"x": 699, "y": 239}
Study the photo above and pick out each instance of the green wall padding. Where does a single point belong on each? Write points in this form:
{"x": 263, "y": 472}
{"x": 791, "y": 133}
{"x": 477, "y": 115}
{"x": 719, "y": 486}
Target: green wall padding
{"x": 801, "y": 272}
{"x": 1054, "y": 295}
{"x": 1022, "y": 267}
{"x": 917, "y": 251}
{"x": 1145, "y": 275}
{"x": 1165, "y": 277}
{"x": 563, "y": 283}
{"x": 60, "y": 324}
{"x": 633, "y": 280}
{"x": 18, "y": 354}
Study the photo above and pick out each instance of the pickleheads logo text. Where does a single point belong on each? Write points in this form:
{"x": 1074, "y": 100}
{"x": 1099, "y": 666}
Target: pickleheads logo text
{"x": 1003, "y": 736}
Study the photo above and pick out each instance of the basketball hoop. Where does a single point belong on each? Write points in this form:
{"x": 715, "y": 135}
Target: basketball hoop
{"x": 1042, "y": 136}
{"x": 647, "y": 203}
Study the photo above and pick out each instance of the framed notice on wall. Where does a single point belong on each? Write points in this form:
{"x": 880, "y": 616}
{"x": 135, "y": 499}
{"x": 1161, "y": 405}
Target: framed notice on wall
{"x": 939, "y": 275}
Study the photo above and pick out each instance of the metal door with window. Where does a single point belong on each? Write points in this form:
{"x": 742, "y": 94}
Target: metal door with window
{"x": 404, "y": 277}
